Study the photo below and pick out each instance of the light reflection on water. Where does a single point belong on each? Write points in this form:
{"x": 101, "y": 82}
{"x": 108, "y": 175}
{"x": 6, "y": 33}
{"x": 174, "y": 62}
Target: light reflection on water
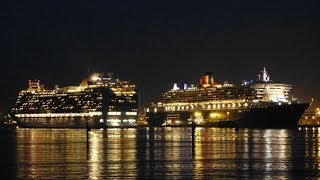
{"x": 161, "y": 153}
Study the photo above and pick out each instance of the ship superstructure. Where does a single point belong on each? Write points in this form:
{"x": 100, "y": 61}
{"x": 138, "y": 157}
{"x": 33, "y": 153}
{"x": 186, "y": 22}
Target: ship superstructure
{"x": 99, "y": 101}
{"x": 211, "y": 103}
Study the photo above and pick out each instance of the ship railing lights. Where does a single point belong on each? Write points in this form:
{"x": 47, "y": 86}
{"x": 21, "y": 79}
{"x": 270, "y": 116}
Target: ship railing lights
{"x": 129, "y": 121}
{"x": 131, "y": 113}
{"x": 114, "y": 113}
{"x": 113, "y": 120}
{"x": 60, "y": 114}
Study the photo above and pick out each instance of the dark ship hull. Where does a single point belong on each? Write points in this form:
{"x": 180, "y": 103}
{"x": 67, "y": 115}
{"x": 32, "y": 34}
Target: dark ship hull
{"x": 278, "y": 116}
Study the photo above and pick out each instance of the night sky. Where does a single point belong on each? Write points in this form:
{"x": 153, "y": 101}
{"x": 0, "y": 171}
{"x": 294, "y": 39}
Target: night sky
{"x": 154, "y": 43}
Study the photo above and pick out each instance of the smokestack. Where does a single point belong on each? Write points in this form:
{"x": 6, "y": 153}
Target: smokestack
{"x": 175, "y": 86}
{"x": 185, "y": 86}
{"x": 207, "y": 80}
{"x": 210, "y": 78}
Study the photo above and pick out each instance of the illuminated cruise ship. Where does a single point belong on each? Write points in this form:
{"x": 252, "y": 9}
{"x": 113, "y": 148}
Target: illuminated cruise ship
{"x": 261, "y": 104}
{"x": 99, "y": 101}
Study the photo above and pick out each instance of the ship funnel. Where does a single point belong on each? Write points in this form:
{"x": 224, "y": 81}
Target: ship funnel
{"x": 207, "y": 80}
{"x": 185, "y": 86}
{"x": 175, "y": 86}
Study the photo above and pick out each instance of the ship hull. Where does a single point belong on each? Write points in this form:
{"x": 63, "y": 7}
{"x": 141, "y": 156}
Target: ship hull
{"x": 286, "y": 116}
{"x": 68, "y": 122}
{"x": 277, "y": 116}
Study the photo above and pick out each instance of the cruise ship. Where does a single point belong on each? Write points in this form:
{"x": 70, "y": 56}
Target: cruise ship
{"x": 260, "y": 104}
{"x": 99, "y": 101}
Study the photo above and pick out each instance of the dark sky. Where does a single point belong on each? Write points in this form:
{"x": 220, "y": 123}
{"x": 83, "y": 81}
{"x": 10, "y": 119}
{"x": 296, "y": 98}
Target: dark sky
{"x": 154, "y": 43}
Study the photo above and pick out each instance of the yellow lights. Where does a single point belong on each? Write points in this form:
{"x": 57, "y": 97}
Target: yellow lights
{"x": 95, "y": 77}
{"x": 89, "y": 114}
{"x": 115, "y": 123}
{"x": 131, "y": 113}
{"x": 129, "y": 121}
{"x": 197, "y": 114}
{"x": 155, "y": 109}
{"x": 199, "y": 121}
{"x": 214, "y": 115}
{"x": 113, "y": 120}
{"x": 114, "y": 113}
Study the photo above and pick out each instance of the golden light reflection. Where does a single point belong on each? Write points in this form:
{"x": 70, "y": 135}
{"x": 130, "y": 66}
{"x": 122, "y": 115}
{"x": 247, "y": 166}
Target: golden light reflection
{"x": 164, "y": 153}
{"x": 213, "y": 145}
{"x": 95, "y": 161}
{"x": 41, "y": 152}
{"x": 121, "y": 153}
{"x": 174, "y": 151}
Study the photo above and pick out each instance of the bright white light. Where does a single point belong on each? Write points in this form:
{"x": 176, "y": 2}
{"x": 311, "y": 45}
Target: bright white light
{"x": 214, "y": 115}
{"x": 131, "y": 113}
{"x": 115, "y": 123}
{"x": 197, "y": 114}
{"x": 114, "y": 113}
{"x": 95, "y": 78}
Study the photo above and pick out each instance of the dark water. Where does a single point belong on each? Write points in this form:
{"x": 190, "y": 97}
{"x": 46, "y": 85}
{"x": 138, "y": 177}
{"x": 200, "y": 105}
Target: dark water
{"x": 159, "y": 153}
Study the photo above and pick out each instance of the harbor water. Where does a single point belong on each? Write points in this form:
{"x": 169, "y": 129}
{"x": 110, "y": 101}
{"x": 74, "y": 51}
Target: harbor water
{"x": 159, "y": 153}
